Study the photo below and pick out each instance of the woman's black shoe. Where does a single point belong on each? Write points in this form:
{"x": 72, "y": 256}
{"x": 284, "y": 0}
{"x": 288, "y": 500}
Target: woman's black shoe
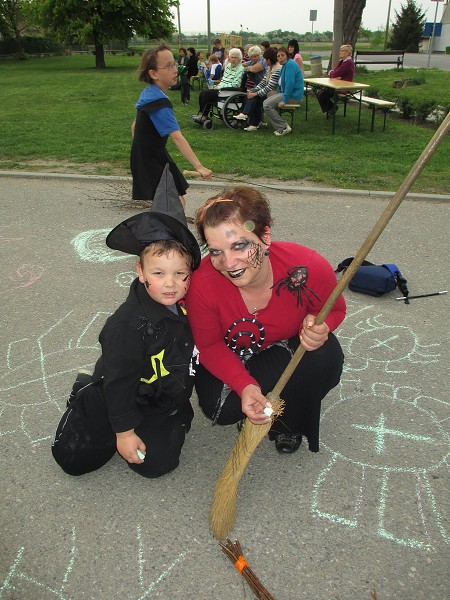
{"x": 287, "y": 443}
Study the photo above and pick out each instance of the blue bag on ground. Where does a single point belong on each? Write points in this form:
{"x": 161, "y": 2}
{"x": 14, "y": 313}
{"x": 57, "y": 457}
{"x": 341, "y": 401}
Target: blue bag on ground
{"x": 375, "y": 280}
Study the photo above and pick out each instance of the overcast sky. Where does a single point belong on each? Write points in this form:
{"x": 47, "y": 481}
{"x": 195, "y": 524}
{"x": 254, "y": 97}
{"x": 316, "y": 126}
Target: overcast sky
{"x": 288, "y": 15}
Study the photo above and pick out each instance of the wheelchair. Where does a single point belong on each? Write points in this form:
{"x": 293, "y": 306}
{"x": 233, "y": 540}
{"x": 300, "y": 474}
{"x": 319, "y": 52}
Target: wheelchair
{"x": 230, "y": 103}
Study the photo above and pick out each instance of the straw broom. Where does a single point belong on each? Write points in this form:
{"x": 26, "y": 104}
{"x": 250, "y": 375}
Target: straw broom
{"x": 234, "y": 553}
{"x": 222, "y": 515}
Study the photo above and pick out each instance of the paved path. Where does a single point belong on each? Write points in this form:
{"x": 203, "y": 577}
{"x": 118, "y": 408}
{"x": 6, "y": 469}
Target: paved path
{"x": 370, "y": 511}
{"x": 419, "y": 60}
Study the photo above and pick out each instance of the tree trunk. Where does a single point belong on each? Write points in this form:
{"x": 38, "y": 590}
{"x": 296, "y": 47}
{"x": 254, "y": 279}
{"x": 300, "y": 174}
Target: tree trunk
{"x": 353, "y": 10}
{"x": 99, "y": 56}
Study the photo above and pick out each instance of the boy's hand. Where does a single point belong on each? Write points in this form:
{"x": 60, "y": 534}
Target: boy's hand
{"x": 127, "y": 445}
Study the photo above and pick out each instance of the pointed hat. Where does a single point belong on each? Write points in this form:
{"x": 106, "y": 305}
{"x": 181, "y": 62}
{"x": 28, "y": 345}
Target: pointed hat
{"x": 164, "y": 221}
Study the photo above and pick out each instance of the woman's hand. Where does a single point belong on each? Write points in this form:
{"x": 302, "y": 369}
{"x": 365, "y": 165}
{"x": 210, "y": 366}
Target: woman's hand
{"x": 280, "y": 104}
{"x": 313, "y": 336}
{"x": 204, "y": 172}
{"x": 253, "y": 404}
{"x": 251, "y": 95}
{"x": 127, "y": 445}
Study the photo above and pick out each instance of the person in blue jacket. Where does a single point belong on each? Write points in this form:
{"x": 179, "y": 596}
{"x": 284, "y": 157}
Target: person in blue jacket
{"x": 290, "y": 87}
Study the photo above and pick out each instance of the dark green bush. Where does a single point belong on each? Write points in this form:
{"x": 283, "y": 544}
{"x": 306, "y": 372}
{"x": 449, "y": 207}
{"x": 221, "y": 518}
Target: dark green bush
{"x": 30, "y": 45}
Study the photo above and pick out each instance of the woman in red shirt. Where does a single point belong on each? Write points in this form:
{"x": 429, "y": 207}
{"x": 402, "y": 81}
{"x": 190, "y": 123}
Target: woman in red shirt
{"x": 250, "y": 304}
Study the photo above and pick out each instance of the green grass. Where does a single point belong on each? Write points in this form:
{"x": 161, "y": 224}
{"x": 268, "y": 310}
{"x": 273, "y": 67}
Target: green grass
{"x": 62, "y": 114}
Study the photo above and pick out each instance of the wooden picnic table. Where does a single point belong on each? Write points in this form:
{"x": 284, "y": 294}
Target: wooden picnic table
{"x": 337, "y": 85}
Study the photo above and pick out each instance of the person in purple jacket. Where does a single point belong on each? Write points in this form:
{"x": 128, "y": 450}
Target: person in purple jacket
{"x": 345, "y": 69}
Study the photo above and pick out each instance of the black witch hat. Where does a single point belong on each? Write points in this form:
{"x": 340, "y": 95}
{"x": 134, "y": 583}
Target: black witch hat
{"x": 164, "y": 221}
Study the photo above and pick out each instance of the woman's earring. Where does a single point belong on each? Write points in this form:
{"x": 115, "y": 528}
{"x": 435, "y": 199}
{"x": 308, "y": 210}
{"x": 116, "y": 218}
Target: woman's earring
{"x": 266, "y": 252}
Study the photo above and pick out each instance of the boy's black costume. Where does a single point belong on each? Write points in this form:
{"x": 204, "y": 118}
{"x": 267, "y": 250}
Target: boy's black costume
{"x": 143, "y": 379}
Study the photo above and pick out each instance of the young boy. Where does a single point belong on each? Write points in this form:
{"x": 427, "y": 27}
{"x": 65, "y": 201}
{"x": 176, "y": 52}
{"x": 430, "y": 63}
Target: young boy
{"x": 137, "y": 400}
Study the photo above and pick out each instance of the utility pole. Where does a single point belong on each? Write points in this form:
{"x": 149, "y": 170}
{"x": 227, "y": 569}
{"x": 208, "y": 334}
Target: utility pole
{"x": 431, "y": 40}
{"x": 179, "y": 23}
{"x": 208, "y": 18}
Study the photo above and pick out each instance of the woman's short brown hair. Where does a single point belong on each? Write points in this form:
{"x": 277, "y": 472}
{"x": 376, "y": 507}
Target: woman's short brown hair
{"x": 241, "y": 204}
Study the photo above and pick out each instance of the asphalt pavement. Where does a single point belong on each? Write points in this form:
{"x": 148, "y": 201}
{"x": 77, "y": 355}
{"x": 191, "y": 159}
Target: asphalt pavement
{"x": 368, "y": 513}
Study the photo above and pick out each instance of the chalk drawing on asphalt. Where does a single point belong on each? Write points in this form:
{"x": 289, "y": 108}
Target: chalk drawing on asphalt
{"x": 23, "y": 277}
{"x": 91, "y": 247}
{"x": 126, "y": 278}
{"x": 392, "y": 347}
{"x": 388, "y": 444}
{"x": 4, "y": 238}
{"x": 387, "y": 447}
{"x": 148, "y": 587}
{"x": 36, "y": 378}
{"x": 17, "y": 577}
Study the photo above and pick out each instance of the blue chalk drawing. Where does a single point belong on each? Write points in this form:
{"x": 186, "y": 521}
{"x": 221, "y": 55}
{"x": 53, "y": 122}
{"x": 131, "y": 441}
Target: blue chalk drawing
{"x": 35, "y": 383}
{"x": 405, "y": 445}
{"x": 126, "y": 278}
{"x": 17, "y": 573}
{"x": 91, "y": 247}
{"x": 395, "y": 347}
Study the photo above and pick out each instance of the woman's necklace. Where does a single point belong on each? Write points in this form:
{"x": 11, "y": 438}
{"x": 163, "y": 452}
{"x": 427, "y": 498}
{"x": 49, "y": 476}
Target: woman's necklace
{"x": 263, "y": 298}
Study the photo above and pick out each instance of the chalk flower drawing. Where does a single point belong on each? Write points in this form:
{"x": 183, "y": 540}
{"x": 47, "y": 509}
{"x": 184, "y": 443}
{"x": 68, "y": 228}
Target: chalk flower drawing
{"x": 405, "y": 444}
{"x": 24, "y": 276}
{"x": 35, "y": 383}
{"x": 390, "y": 346}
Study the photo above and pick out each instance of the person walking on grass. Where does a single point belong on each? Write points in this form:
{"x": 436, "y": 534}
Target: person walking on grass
{"x": 155, "y": 122}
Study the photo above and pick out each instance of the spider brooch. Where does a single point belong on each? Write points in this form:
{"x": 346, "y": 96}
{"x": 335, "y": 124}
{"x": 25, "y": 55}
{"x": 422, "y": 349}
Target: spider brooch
{"x": 295, "y": 282}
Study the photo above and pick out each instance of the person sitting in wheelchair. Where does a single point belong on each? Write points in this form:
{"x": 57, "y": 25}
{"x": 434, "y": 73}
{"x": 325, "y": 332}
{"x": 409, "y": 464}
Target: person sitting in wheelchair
{"x": 232, "y": 78}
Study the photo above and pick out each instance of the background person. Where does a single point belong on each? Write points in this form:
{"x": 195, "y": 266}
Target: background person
{"x": 155, "y": 122}
{"x": 294, "y": 53}
{"x": 218, "y": 49}
{"x": 253, "y": 108}
{"x": 231, "y": 78}
{"x": 250, "y": 304}
{"x": 345, "y": 69}
{"x": 191, "y": 71}
{"x": 290, "y": 87}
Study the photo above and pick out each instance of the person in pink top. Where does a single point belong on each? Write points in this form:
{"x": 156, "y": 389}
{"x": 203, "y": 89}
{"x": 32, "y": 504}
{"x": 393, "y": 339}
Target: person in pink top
{"x": 250, "y": 304}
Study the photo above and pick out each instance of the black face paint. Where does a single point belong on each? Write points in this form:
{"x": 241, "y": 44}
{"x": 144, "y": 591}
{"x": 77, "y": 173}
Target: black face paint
{"x": 147, "y": 285}
{"x": 255, "y": 255}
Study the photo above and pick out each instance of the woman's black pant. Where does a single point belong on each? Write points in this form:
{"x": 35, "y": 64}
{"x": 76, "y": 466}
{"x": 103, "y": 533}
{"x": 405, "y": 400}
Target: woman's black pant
{"x": 325, "y": 98}
{"x": 206, "y": 98}
{"x": 254, "y": 109}
{"x": 185, "y": 88}
{"x": 316, "y": 374}
{"x": 84, "y": 439}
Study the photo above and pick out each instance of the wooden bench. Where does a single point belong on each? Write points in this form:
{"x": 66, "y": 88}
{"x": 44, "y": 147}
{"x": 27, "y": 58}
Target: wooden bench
{"x": 372, "y": 103}
{"x": 391, "y": 57}
{"x": 290, "y": 110}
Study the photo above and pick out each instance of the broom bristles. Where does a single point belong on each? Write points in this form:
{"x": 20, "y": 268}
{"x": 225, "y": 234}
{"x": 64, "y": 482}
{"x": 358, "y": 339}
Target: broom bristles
{"x": 222, "y": 516}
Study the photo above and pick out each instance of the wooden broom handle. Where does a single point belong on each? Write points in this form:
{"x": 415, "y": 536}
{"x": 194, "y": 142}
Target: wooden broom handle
{"x": 377, "y": 230}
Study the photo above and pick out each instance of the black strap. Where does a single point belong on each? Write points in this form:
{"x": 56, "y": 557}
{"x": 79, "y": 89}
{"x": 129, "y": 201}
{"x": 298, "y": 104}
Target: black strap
{"x": 347, "y": 261}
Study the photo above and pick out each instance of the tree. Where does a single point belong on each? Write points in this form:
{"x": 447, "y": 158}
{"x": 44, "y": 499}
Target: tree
{"x": 353, "y": 10}
{"x": 16, "y": 16}
{"x": 407, "y": 31}
{"x": 98, "y": 21}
